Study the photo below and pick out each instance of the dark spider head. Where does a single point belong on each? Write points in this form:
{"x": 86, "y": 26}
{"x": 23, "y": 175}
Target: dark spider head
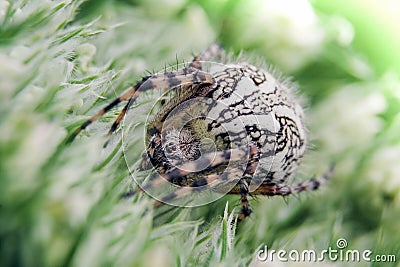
{"x": 176, "y": 146}
{"x": 181, "y": 145}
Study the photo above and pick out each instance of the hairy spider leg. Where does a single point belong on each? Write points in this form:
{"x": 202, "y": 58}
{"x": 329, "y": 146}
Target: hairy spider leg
{"x": 243, "y": 188}
{"x": 272, "y": 189}
{"x": 186, "y": 76}
{"x": 199, "y": 185}
{"x": 244, "y": 192}
{"x": 216, "y": 182}
{"x": 312, "y": 184}
{"x": 211, "y": 52}
{"x": 211, "y": 160}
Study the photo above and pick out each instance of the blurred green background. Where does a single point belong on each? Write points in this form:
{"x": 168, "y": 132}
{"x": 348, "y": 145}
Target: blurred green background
{"x": 61, "y": 61}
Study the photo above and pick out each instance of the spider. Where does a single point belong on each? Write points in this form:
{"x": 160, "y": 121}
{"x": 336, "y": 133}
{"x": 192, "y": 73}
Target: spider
{"x": 231, "y": 128}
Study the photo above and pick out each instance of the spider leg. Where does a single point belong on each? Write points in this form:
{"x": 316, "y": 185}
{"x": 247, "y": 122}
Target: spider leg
{"x": 244, "y": 192}
{"x": 243, "y": 189}
{"x": 312, "y": 184}
{"x": 218, "y": 180}
{"x": 127, "y": 95}
{"x": 273, "y": 189}
{"x": 186, "y": 76}
{"x": 181, "y": 172}
{"x": 145, "y": 163}
{"x": 120, "y": 117}
{"x": 196, "y": 186}
{"x": 115, "y": 124}
{"x": 211, "y": 52}
{"x": 213, "y": 181}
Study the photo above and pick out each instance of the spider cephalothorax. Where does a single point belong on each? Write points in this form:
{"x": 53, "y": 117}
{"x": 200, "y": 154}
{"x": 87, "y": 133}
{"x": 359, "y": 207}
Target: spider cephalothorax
{"x": 232, "y": 128}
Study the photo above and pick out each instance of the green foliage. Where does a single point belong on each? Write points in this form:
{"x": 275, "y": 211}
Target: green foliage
{"x": 60, "y": 61}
